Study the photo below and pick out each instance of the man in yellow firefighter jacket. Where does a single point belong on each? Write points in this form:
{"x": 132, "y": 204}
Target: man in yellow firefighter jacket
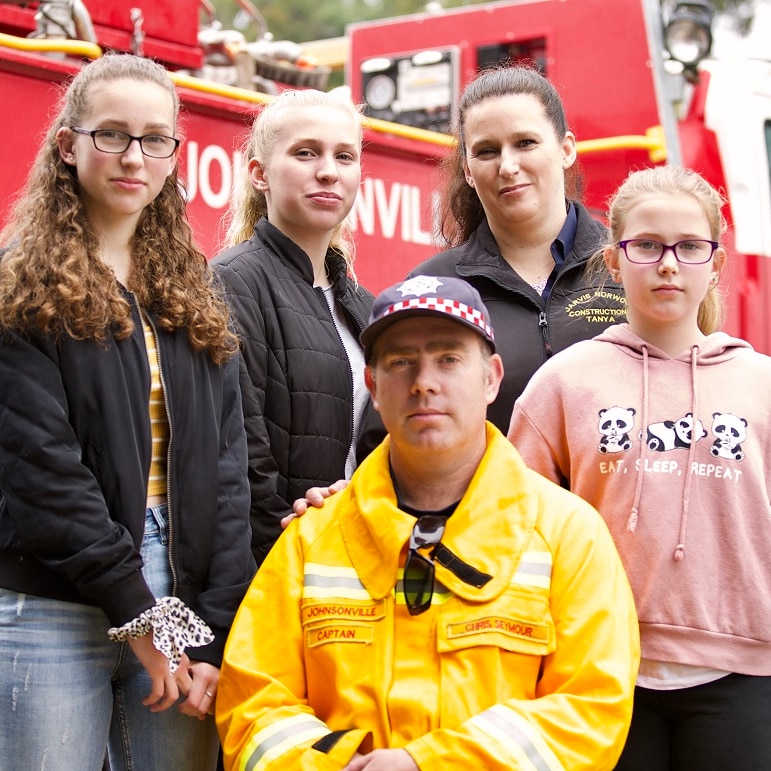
{"x": 450, "y": 609}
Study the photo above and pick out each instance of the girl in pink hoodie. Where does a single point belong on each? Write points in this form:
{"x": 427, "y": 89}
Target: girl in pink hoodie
{"x": 664, "y": 425}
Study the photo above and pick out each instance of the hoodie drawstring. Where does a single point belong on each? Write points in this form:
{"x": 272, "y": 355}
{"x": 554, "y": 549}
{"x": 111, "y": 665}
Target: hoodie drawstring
{"x": 680, "y": 548}
{"x": 631, "y": 524}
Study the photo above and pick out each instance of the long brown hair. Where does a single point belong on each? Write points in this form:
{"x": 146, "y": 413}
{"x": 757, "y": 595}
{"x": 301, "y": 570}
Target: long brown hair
{"x": 460, "y": 208}
{"x": 52, "y": 277}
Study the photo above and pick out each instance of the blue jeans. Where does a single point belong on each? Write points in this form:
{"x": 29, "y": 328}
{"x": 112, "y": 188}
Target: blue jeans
{"x": 68, "y": 695}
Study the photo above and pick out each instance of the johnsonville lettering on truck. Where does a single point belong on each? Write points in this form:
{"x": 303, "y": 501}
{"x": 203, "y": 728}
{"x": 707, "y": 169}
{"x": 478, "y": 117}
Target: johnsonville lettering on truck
{"x": 626, "y": 102}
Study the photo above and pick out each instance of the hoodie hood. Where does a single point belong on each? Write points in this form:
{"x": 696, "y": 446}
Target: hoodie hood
{"x": 714, "y": 349}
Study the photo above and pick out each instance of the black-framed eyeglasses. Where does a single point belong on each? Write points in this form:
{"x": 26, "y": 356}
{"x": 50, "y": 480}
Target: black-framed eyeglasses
{"x": 112, "y": 141}
{"x": 646, "y": 251}
{"x": 418, "y": 578}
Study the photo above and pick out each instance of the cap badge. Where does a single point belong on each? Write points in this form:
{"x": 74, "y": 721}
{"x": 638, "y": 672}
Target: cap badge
{"x": 420, "y": 285}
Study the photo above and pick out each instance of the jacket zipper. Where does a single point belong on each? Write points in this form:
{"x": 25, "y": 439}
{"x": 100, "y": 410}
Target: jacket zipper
{"x": 543, "y": 323}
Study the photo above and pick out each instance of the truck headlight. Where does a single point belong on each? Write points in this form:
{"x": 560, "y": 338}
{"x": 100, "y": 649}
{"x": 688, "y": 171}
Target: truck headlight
{"x": 688, "y": 33}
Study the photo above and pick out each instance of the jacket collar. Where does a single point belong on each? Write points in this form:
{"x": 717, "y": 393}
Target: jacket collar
{"x": 297, "y": 260}
{"x": 578, "y": 239}
{"x": 490, "y": 529}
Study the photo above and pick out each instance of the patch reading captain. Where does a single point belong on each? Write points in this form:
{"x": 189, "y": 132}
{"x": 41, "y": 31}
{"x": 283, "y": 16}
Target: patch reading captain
{"x": 328, "y": 633}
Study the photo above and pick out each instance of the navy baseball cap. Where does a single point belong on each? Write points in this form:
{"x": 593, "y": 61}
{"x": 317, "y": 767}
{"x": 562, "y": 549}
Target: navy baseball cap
{"x": 452, "y": 298}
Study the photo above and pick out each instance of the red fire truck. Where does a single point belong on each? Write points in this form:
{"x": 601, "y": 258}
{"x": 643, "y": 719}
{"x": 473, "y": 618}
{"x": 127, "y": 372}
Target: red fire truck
{"x": 607, "y": 58}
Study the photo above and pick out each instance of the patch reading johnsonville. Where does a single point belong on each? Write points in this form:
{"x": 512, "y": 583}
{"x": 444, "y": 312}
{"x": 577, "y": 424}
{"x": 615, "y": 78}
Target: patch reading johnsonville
{"x": 336, "y": 610}
{"x": 606, "y": 305}
{"x": 325, "y": 622}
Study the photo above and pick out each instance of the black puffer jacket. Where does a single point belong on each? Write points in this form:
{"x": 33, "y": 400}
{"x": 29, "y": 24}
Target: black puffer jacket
{"x": 74, "y": 463}
{"x": 297, "y": 386}
{"x": 528, "y": 329}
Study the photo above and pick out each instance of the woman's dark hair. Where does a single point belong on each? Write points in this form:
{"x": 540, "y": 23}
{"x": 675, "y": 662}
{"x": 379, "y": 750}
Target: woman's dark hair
{"x": 460, "y": 208}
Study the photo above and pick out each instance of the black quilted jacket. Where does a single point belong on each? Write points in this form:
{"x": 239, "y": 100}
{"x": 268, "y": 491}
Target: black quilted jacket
{"x": 296, "y": 381}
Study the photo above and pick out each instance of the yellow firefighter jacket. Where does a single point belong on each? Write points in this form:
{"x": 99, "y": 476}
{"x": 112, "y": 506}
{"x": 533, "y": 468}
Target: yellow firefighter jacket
{"x": 534, "y": 671}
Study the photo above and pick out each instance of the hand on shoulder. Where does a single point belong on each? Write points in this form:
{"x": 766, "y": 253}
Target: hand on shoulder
{"x": 314, "y": 497}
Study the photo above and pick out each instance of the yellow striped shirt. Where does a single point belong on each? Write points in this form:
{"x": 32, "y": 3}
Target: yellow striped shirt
{"x": 159, "y": 424}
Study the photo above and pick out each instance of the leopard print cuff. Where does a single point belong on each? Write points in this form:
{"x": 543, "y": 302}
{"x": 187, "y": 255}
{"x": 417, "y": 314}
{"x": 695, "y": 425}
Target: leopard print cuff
{"x": 174, "y": 627}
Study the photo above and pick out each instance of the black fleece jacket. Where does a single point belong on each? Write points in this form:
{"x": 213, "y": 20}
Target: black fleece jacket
{"x": 529, "y": 329}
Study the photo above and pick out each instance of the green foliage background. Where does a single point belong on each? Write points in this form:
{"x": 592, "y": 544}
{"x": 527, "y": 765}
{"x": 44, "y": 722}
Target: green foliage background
{"x": 302, "y": 20}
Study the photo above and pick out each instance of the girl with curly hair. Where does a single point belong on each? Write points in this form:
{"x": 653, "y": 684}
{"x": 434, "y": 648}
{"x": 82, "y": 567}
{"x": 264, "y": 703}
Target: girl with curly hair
{"x": 124, "y": 529}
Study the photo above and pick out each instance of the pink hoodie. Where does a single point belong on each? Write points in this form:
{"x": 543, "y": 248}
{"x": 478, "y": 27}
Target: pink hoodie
{"x": 676, "y": 456}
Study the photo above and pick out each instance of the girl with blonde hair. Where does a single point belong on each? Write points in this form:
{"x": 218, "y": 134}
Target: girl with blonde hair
{"x": 663, "y": 424}
{"x": 299, "y": 309}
